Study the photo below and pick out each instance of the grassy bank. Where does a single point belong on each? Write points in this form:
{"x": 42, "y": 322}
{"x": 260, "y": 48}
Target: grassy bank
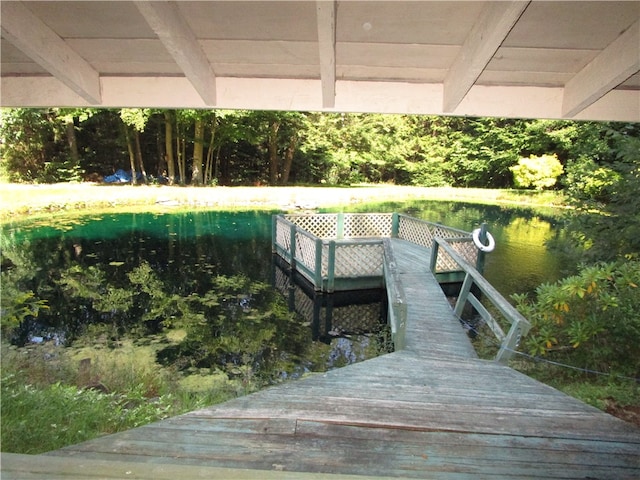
{"x": 54, "y": 396}
{"x": 18, "y": 200}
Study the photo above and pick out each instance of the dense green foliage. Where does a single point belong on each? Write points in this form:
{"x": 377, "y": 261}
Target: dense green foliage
{"x": 591, "y": 320}
{"x": 278, "y": 148}
{"x": 606, "y": 195}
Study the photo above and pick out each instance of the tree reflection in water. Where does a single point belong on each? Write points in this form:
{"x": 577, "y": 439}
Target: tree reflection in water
{"x": 197, "y": 285}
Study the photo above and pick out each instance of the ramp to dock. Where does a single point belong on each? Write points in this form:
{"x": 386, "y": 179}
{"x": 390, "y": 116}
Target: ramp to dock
{"x": 431, "y": 328}
{"x": 433, "y": 410}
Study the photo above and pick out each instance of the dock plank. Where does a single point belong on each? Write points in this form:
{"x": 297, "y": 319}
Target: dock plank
{"x": 344, "y": 422}
{"x": 432, "y": 328}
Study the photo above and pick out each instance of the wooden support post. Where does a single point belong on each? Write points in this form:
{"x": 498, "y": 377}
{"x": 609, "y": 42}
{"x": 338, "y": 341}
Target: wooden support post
{"x": 434, "y": 257}
{"x": 292, "y": 246}
{"x": 400, "y": 314}
{"x": 395, "y": 225}
{"x": 510, "y": 343}
{"x": 315, "y": 325}
{"x": 331, "y": 262}
{"x": 328, "y": 314}
{"x": 318, "y": 266}
{"x": 482, "y": 255}
{"x": 274, "y": 234}
{"x": 462, "y": 296}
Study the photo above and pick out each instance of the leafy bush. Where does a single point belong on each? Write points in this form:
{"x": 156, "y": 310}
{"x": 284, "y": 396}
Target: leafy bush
{"x": 589, "y": 320}
{"x": 538, "y": 172}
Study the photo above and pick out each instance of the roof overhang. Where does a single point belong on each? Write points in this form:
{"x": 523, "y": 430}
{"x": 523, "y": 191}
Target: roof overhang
{"x": 538, "y": 59}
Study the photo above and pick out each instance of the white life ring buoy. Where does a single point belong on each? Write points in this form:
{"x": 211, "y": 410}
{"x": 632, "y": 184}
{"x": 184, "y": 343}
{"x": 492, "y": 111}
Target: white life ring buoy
{"x": 483, "y": 248}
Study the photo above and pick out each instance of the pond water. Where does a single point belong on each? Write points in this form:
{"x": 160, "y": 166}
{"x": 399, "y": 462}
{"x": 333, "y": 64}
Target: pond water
{"x": 201, "y": 285}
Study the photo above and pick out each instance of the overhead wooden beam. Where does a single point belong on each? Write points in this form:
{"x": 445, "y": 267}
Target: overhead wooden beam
{"x": 176, "y": 35}
{"x": 493, "y": 25}
{"x": 36, "y": 40}
{"x": 608, "y": 69}
{"x": 326, "y": 19}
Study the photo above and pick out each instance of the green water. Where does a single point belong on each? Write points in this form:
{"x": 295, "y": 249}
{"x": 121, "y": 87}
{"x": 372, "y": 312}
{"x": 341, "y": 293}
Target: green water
{"x": 200, "y": 284}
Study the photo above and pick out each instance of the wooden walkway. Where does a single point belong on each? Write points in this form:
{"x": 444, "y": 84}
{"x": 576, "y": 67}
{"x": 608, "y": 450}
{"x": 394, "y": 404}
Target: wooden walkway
{"x": 432, "y": 410}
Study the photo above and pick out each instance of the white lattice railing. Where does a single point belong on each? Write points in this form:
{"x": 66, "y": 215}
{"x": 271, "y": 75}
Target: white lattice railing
{"x": 335, "y": 226}
{"x": 333, "y": 246}
{"x": 422, "y": 232}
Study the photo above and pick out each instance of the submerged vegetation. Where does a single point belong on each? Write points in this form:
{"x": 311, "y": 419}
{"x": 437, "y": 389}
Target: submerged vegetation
{"x": 184, "y": 351}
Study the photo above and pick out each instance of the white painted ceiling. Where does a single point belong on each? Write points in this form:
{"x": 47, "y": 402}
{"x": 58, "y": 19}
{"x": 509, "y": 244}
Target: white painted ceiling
{"x": 544, "y": 59}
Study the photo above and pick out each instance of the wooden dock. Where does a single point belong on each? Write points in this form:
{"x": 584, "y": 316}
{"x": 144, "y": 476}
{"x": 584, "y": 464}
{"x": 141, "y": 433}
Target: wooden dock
{"x": 433, "y": 410}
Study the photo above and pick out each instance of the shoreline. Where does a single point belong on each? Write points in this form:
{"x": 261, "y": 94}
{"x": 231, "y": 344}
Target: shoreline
{"x": 19, "y": 201}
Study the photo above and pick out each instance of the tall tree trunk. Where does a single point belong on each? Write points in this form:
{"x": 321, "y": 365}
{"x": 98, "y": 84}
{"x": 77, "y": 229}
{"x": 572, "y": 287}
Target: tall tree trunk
{"x": 183, "y": 159}
{"x": 273, "y": 152}
{"x": 168, "y": 142}
{"x": 208, "y": 169}
{"x": 180, "y": 155}
{"x": 132, "y": 155}
{"x": 198, "y": 149}
{"x": 162, "y": 156}
{"x": 216, "y": 163}
{"x": 72, "y": 141}
{"x": 288, "y": 158}
{"x": 136, "y": 136}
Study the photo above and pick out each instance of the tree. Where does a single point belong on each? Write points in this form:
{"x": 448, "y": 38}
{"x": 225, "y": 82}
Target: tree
{"x": 254, "y": 147}
{"x": 135, "y": 121}
{"x": 34, "y": 146}
{"x": 605, "y": 192}
{"x": 198, "y": 151}
{"x": 169, "y": 121}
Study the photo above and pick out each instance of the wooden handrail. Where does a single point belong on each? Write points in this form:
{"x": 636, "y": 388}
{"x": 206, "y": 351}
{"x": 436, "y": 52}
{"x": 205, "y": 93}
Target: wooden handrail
{"x": 397, "y": 310}
{"x": 519, "y": 324}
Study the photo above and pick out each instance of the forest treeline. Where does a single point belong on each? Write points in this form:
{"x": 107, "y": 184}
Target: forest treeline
{"x": 222, "y": 147}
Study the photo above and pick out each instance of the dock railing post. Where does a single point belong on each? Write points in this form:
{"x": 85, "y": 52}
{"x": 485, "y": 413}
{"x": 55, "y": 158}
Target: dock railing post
{"x": 274, "y": 233}
{"x": 481, "y": 255}
{"x": 395, "y": 225}
{"x": 318, "y": 267}
{"x": 463, "y": 295}
{"x": 331, "y": 266}
{"x": 434, "y": 257}
{"x": 510, "y": 343}
{"x": 340, "y": 225}
{"x": 397, "y": 307}
{"x": 292, "y": 247}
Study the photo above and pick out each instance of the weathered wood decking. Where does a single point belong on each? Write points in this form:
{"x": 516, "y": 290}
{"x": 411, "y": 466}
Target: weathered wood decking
{"x": 432, "y": 410}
